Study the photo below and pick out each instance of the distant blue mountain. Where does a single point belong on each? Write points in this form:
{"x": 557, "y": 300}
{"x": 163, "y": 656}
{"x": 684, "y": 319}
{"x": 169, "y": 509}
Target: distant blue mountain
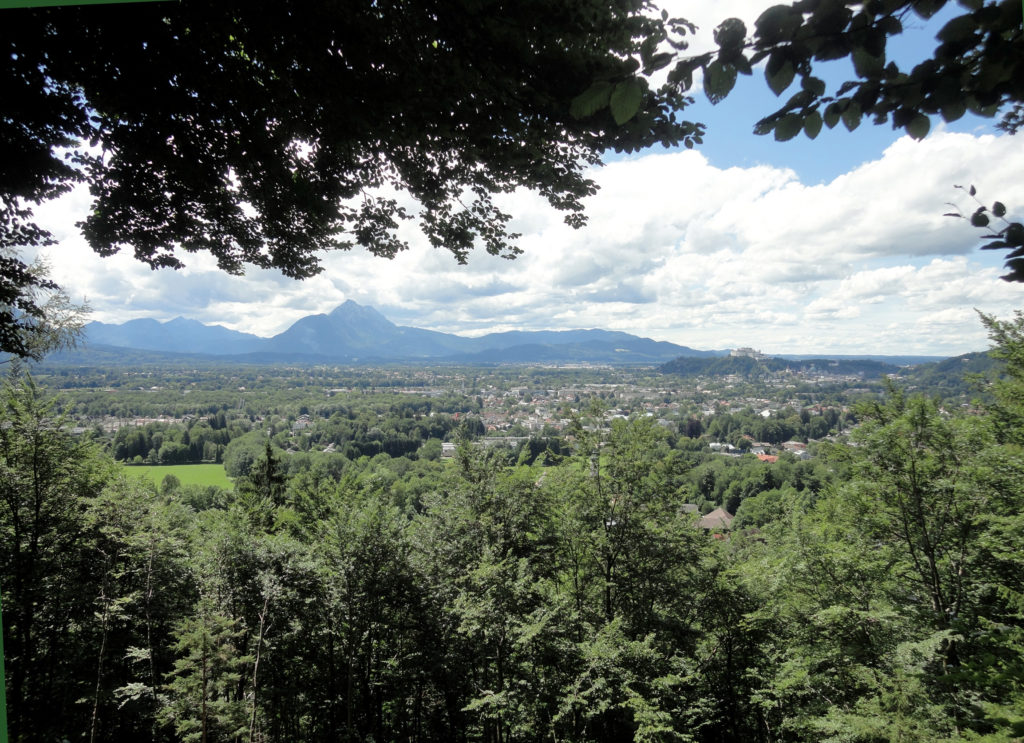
{"x": 353, "y": 330}
{"x": 355, "y": 333}
{"x": 176, "y": 336}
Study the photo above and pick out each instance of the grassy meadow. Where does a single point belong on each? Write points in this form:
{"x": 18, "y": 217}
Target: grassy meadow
{"x": 187, "y": 474}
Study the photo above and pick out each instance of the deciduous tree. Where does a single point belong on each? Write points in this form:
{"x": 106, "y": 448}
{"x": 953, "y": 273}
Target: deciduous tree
{"x": 269, "y": 132}
{"x": 977, "y": 64}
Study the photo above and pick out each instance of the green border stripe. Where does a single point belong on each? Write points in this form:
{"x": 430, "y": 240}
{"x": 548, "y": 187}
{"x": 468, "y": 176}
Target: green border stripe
{"x": 9, "y": 4}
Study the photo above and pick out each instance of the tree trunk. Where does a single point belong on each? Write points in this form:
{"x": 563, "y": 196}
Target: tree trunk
{"x": 256, "y": 665}
{"x": 105, "y": 624}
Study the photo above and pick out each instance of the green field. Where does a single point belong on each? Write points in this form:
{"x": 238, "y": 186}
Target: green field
{"x": 188, "y": 474}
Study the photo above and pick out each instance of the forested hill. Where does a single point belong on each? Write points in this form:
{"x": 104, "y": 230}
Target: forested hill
{"x": 746, "y": 366}
{"x": 951, "y": 376}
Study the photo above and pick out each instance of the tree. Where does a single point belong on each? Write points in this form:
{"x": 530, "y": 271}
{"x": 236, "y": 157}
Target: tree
{"x": 263, "y": 486}
{"x": 268, "y": 132}
{"x": 895, "y": 598}
{"x": 169, "y": 484}
{"x": 45, "y": 573}
{"x": 136, "y": 551}
{"x": 383, "y": 619}
{"x": 202, "y": 702}
{"x": 431, "y": 450}
{"x": 242, "y": 453}
{"x": 36, "y": 316}
{"x": 1007, "y": 410}
{"x": 977, "y": 65}
{"x": 1003, "y": 543}
{"x": 917, "y": 490}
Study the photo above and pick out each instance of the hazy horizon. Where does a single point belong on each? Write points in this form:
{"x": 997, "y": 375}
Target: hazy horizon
{"x": 778, "y": 352}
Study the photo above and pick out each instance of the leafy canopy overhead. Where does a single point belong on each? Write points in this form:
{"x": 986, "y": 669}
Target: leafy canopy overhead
{"x": 977, "y": 64}
{"x": 267, "y": 132}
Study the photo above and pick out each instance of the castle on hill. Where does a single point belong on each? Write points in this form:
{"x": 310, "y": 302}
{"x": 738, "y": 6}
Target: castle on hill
{"x": 748, "y": 352}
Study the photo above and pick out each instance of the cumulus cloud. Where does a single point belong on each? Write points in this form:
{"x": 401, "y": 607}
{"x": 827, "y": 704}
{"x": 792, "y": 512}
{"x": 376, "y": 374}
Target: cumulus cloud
{"x": 676, "y": 249}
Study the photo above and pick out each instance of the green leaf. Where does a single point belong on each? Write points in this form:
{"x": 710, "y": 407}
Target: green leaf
{"x": 777, "y": 23}
{"x": 801, "y": 99}
{"x": 719, "y": 79}
{"x": 659, "y": 61}
{"x": 953, "y": 110}
{"x": 831, "y": 48}
{"x": 831, "y": 115}
{"x": 958, "y": 29}
{"x": 866, "y": 64}
{"x": 592, "y": 100}
{"x": 1015, "y": 234}
{"x": 813, "y": 85}
{"x": 625, "y": 100}
{"x": 647, "y": 49}
{"x": 682, "y": 74}
{"x": 788, "y": 127}
{"x": 851, "y": 116}
{"x": 890, "y": 25}
{"x": 986, "y": 110}
{"x": 1016, "y": 272}
{"x": 999, "y": 209}
{"x": 812, "y": 124}
{"x": 918, "y": 126}
{"x": 928, "y": 8}
{"x": 874, "y": 42}
{"x": 779, "y": 73}
{"x": 979, "y": 219}
{"x": 730, "y": 33}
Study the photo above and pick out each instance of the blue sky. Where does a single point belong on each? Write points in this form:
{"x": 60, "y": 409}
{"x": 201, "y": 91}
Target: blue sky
{"x": 834, "y": 245}
{"x": 834, "y": 152}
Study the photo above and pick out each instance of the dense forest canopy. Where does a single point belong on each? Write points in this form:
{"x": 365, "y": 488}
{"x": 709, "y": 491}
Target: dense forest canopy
{"x": 566, "y": 591}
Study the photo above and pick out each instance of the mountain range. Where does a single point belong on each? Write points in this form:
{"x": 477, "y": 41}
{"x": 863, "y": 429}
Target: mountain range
{"x": 353, "y": 333}
{"x": 356, "y": 334}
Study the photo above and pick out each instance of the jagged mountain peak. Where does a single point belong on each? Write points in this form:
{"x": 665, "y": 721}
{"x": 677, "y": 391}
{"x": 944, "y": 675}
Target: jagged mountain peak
{"x": 351, "y": 307}
{"x": 184, "y": 322}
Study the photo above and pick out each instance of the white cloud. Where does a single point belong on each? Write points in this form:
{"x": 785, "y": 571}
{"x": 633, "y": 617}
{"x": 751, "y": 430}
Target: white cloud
{"x": 676, "y": 249}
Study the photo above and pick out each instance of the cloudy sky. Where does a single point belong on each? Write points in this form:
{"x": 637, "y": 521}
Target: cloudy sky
{"x": 837, "y": 245}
